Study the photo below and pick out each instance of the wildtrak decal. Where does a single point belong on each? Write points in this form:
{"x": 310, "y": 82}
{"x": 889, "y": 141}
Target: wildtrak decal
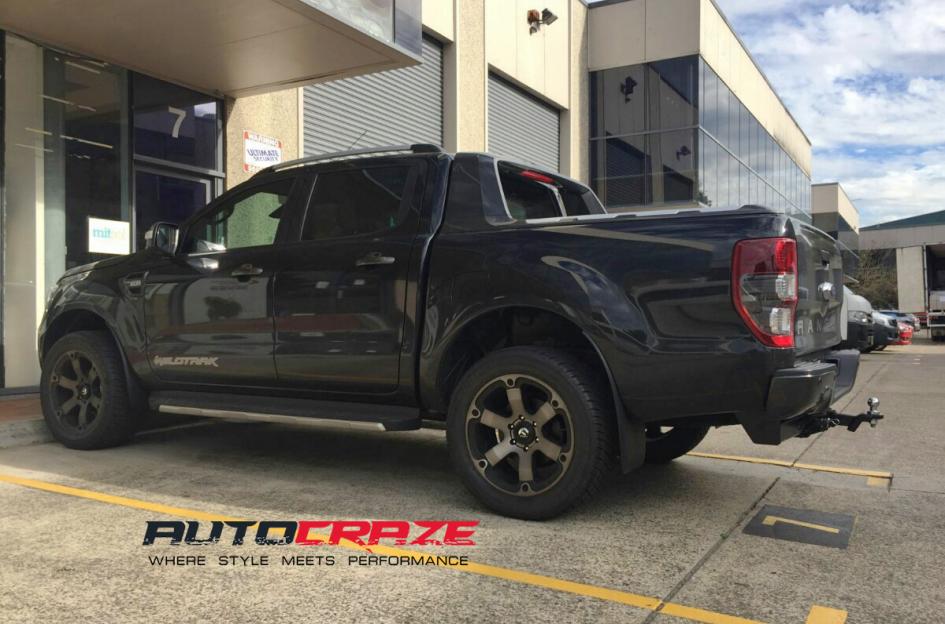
{"x": 185, "y": 360}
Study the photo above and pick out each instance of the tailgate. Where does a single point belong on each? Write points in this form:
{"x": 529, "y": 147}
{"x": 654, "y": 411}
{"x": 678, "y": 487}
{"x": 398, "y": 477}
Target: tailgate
{"x": 820, "y": 290}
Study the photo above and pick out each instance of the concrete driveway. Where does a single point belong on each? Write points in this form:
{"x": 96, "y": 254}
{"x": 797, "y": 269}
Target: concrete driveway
{"x": 842, "y": 527}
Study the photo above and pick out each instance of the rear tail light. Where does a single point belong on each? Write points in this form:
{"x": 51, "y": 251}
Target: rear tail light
{"x": 764, "y": 288}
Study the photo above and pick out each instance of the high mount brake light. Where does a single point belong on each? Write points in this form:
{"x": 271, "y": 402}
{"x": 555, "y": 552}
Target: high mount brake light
{"x": 538, "y": 177}
{"x": 764, "y": 288}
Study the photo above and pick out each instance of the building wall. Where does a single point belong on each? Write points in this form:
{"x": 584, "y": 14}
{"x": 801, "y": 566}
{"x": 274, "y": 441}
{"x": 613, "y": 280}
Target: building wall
{"x": 273, "y": 115}
{"x": 535, "y": 61}
{"x": 635, "y": 31}
{"x": 640, "y": 31}
{"x": 910, "y": 279}
{"x": 483, "y": 36}
{"x": 831, "y": 197}
{"x": 724, "y": 52}
{"x": 438, "y": 18}
{"x": 902, "y": 237}
{"x": 575, "y": 121}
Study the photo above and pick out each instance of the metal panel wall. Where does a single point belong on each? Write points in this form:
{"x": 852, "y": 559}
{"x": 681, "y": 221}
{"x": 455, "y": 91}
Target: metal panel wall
{"x": 400, "y": 106}
{"x": 521, "y": 127}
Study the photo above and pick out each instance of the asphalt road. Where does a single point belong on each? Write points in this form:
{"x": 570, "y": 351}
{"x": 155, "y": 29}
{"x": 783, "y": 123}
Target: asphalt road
{"x": 664, "y": 544}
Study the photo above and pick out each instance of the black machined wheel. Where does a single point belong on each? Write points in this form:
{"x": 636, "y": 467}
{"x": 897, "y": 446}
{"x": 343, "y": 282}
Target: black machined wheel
{"x": 531, "y": 431}
{"x": 75, "y": 390}
{"x": 664, "y": 444}
{"x": 519, "y": 434}
{"x": 84, "y": 393}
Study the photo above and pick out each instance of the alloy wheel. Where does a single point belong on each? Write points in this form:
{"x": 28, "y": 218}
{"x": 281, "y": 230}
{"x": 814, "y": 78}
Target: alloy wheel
{"x": 75, "y": 390}
{"x": 519, "y": 434}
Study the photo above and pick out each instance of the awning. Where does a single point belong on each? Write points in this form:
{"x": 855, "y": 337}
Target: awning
{"x": 221, "y": 47}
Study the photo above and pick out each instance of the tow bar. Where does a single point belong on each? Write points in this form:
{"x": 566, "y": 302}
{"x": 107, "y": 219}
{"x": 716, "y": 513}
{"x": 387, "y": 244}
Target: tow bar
{"x": 852, "y": 423}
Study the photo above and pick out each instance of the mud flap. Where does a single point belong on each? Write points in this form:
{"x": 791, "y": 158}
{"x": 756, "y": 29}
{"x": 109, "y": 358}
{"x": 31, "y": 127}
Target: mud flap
{"x": 631, "y": 434}
{"x": 632, "y": 437}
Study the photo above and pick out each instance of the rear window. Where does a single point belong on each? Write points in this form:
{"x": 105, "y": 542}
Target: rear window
{"x": 531, "y": 194}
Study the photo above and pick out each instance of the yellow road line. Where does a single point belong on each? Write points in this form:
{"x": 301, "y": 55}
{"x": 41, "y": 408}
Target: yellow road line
{"x": 743, "y": 458}
{"x": 877, "y": 481}
{"x": 527, "y": 578}
{"x": 879, "y": 474}
{"x": 826, "y": 615}
{"x": 858, "y": 472}
{"x": 773, "y": 520}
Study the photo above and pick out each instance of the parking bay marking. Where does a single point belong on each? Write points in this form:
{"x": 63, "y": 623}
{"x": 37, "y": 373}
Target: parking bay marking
{"x": 802, "y": 525}
{"x": 518, "y": 576}
{"x": 876, "y": 478}
{"x": 772, "y": 520}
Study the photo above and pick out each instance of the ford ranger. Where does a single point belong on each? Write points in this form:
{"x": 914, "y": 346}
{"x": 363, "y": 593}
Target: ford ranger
{"x": 404, "y": 287}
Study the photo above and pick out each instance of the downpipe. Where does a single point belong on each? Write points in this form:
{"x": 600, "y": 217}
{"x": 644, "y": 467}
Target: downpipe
{"x": 830, "y": 418}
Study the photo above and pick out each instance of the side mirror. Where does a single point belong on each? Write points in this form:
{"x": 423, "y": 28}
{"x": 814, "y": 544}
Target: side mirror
{"x": 162, "y": 236}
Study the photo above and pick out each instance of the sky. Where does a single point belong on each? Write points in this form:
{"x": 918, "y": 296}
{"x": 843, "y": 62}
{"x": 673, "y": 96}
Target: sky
{"x": 865, "y": 80}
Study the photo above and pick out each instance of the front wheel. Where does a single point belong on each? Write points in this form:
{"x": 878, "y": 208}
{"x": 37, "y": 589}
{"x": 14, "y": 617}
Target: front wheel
{"x": 530, "y": 432}
{"x": 664, "y": 444}
{"x": 83, "y": 392}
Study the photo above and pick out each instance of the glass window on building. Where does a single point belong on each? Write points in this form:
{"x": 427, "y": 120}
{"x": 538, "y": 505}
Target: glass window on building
{"x": 65, "y": 147}
{"x": 643, "y": 120}
{"x": 69, "y": 145}
{"x": 177, "y": 151}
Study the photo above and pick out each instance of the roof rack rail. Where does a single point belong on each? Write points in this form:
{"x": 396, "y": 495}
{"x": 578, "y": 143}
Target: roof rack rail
{"x": 416, "y": 148}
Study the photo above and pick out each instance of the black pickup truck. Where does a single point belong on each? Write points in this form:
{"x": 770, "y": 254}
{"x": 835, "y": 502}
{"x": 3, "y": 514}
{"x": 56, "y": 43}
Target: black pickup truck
{"x": 408, "y": 287}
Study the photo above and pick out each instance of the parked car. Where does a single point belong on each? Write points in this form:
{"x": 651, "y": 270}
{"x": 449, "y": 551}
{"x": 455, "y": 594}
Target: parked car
{"x": 391, "y": 289}
{"x": 905, "y": 334}
{"x": 885, "y": 331}
{"x": 859, "y": 325}
{"x": 904, "y": 317}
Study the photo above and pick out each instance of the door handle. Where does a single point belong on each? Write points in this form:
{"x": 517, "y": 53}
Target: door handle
{"x": 373, "y": 259}
{"x": 245, "y": 270}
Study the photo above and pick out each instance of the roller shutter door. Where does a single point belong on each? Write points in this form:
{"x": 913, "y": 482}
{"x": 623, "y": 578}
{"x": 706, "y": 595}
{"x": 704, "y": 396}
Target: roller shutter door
{"x": 395, "y": 107}
{"x": 521, "y": 127}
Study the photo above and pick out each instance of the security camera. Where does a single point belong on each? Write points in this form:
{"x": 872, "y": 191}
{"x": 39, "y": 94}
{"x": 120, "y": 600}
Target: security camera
{"x": 536, "y": 19}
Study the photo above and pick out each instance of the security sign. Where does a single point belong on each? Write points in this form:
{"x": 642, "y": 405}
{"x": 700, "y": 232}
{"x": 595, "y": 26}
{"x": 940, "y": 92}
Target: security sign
{"x": 802, "y": 525}
{"x": 260, "y": 151}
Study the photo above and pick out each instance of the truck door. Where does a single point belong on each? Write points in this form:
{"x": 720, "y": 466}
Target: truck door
{"x": 208, "y": 309}
{"x": 340, "y": 303}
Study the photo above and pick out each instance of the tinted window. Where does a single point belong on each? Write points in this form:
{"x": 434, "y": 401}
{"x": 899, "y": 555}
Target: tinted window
{"x": 528, "y": 194}
{"x": 356, "y": 202}
{"x": 249, "y": 219}
{"x": 537, "y": 195}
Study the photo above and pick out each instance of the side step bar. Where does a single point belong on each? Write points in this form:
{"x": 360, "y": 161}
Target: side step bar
{"x": 288, "y": 411}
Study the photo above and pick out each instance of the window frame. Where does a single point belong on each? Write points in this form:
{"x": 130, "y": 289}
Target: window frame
{"x": 234, "y": 195}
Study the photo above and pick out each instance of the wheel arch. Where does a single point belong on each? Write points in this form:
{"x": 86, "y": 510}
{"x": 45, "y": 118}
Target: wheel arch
{"x": 80, "y": 318}
{"x": 530, "y": 325}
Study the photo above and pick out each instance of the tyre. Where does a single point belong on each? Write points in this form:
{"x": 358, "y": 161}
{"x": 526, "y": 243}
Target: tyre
{"x": 531, "y": 432}
{"x": 664, "y": 444}
{"x": 83, "y": 392}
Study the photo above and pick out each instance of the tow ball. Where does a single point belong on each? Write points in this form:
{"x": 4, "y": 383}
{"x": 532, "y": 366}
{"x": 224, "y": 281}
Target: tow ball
{"x": 852, "y": 423}
{"x": 871, "y": 415}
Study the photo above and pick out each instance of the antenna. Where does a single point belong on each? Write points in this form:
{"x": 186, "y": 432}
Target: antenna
{"x": 360, "y": 136}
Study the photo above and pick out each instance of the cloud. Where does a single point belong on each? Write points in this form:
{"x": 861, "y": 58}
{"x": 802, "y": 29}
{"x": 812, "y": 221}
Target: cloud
{"x": 866, "y": 81}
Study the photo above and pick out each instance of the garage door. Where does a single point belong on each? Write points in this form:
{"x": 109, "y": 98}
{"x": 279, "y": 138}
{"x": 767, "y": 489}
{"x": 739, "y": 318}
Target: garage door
{"x": 521, "y": 127}
{"x": 396, "y": 107}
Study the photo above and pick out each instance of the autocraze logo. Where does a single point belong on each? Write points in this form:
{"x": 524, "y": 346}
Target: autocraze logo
{"x": 184, "y": 360}
{"x": 313, "y": 532}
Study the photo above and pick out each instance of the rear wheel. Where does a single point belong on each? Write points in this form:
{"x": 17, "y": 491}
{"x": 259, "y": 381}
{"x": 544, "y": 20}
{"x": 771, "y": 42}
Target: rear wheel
{"x": 83, "y": 392}
{"x": 664, "y": 444}
{"x": 530, "y": 432}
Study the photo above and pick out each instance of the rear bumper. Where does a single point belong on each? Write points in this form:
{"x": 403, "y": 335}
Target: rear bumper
{"x": 802, "y": 393}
